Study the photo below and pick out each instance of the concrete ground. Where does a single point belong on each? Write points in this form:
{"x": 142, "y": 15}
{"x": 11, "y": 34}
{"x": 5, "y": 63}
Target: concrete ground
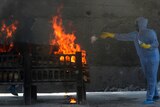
{"x": 94, "y": 99}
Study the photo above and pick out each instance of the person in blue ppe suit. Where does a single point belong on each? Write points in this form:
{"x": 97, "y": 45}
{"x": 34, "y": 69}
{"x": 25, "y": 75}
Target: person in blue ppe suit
{"x": 146, "y": 44}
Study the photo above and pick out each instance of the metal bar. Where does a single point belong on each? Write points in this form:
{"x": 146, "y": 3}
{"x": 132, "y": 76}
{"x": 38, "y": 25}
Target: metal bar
{"x": 27, "y": 75}
{"x": 49, "y": 81}
{"x": 81, "y": 92}
{"x": 34, "y": 93}
{"x": 10, "y": 83}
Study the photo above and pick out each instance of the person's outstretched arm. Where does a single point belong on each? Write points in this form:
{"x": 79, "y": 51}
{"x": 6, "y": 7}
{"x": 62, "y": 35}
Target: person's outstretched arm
{"x": 122, "y": 37}
{"x": 126, "y": 36}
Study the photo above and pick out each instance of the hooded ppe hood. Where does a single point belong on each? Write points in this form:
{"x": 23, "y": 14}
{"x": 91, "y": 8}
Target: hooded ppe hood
{"x": 142, "y": 23}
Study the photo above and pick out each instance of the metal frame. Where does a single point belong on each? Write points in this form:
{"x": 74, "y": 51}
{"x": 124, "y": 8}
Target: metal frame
{"x": 29, "y": 70}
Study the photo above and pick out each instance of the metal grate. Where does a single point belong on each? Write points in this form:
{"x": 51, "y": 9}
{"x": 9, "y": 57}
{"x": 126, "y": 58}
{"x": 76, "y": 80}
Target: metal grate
{"x": 11, "y": 69}
{"x": 29, "y": 70}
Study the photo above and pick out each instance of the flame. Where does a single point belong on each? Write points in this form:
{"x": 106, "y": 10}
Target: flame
{"x": 6, "y": 36}
{"x": 65, "y": 41}
{"x": 73, "y": 101}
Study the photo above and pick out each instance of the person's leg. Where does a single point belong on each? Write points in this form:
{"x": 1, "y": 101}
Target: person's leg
{"x": 13, "y": 90}
{"x": 142, "y": 61}
{"x": 144, "y": 70}
{"x": 151, "y": 75}
{"x": 156, "y": 95}
{"x": 156, "y": 92}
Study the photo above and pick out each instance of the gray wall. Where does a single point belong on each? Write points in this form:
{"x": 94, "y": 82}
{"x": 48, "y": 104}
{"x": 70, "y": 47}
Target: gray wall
{"x": 112, "y": 63}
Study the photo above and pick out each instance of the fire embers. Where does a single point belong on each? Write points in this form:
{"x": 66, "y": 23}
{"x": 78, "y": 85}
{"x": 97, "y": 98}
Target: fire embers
{"x": 64, "y": 41}
{"x": 6, "y": 35}
{"x": 73, "y": 100}
{"x": 70, "y": 99}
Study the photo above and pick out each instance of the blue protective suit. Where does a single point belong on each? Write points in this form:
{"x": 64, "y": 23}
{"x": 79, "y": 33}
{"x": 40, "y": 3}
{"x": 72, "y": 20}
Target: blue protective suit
{"x": 149, "y": 58}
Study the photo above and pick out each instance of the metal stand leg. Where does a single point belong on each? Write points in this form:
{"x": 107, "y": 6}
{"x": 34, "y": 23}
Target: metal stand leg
{"x": 81, "y": 92}
{"x": 34, "y": 93}
{"x": 27, "y": 75}
{"x": 27, "y": 95}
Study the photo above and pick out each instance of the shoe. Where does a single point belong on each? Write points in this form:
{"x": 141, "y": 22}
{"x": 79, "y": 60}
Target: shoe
{"x": 148, "y": 102}
{"x": 156, "y": 98}
{"x": 13, "y": 91}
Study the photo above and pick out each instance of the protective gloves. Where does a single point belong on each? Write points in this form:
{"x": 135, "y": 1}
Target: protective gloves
{"x": 103, "y": 36}
{"x": 145, "y": 46}
{"x": 107, "y": 35}
{"x": 93, "y": 39}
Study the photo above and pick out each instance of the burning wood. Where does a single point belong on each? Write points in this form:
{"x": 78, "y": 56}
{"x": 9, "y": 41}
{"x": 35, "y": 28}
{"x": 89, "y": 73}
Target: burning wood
{"x": 65, "y": 41}
{"x": 6, "y": 36}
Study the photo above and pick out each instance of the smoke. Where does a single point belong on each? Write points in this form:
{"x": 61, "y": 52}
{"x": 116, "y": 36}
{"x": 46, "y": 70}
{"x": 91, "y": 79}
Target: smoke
{"x": 7, "y": 9}
{"x": 11, "y": 8}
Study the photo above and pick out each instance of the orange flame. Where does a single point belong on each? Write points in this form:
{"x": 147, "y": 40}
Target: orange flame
{"x": 6, "y": 33}
{"x": 65, "y": 41}
{"x": 73, "y": 101}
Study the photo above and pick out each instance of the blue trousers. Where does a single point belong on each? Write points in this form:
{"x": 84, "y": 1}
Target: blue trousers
{"x": 150, "y": 69}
